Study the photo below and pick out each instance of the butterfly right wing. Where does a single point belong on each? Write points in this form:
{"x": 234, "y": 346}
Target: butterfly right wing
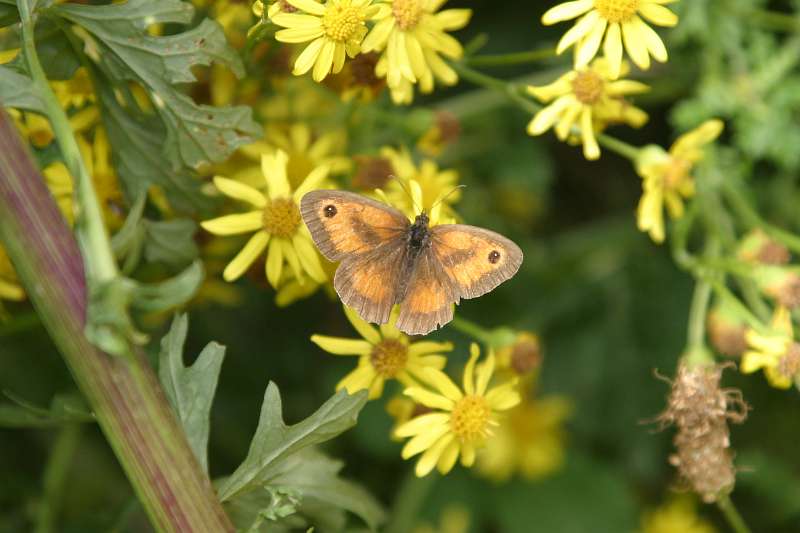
{"x": 368, "y": 237}
{"x": 345, "y": 225}
{"x": 428, "y": 298}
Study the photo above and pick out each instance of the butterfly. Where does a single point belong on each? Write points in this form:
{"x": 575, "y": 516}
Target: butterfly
{"x": 387, "y": 260}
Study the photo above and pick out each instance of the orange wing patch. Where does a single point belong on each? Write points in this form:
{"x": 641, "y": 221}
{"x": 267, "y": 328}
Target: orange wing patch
{"x": 428, "y": 300}
{"x": 475, "y": 259}
{"x": 344, "y": 224}
{"x": 368, "y": 283}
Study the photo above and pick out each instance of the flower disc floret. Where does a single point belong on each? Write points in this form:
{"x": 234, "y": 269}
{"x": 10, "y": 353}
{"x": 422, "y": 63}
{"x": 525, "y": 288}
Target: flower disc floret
{"x": 389, "y": 357}
{"x": 281, "y": 217}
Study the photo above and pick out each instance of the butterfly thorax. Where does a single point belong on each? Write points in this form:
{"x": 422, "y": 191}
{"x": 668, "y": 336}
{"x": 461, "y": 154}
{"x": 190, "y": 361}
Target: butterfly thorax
{"x": 418, "y": 233}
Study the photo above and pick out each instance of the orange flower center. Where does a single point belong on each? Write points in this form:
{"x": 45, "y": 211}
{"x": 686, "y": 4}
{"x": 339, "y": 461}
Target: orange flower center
{"x": 389, "y": 357}
{"x": 470, "y": 418}
{"x": 407, "y": 13}
{"x": 342, "y": 22}
{"x": 676, "y": 173}
{"x": 588, "y": 87}
{"x": 281, "y": 218}
{"x": 616, "y": 11}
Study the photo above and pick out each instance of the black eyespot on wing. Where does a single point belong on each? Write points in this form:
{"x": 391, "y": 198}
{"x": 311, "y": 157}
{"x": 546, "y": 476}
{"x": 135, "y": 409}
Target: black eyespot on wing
{"x": 494, "y": 256}
{"x": 330, "y": 211}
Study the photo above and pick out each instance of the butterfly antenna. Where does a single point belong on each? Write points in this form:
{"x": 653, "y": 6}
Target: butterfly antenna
{"x": 407, "y": 191}
{"x": 443, "y": 198}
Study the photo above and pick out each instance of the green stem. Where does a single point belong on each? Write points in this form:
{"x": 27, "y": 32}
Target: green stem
{"x": 619, "y": 147}
{"x": 514, "y": 58}
{"x": 730, "y": 513}
{"x": 511, "y": 90}
{"x": 472, "y": 329}
{"x": 753, "y": 219}
{"x": 408, "y": 502}
{"x": 90, "y": 229}
{"x": 55, "y": 476}
{"x": 773, "y": 20}
{"x": 696, "y": 333}
{"x": 123, "y": 392}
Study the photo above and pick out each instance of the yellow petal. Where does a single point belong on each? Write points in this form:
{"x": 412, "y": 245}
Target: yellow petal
{"x": 312, "y": 181}
{"x": 659, "y": 15}
{"x": 309, "y": 6}
{"x": 362, "y": 326}
{"x": 431, "y": 456}
{"x": 635, "y": 43}
{"x": 274, "y": 265}
{"x": 273, "y": 166}
{"x": 308, "y": 57}
{"x": 309, "y": 259}
{"x": 340, "y": 346}
{"x": 545, "y": 118}
{"x": 322, "y": 67}
{"x": 612, "y": 49}
{"x": 448, "y": 458}
{"x": 427, "y": 347}
{"x": 428, "y": 398}
{"x": 503, "y": 397}
{"x": 239, "y": 191}
{"x": 591, "y": 150}
{"x": 254, "y": 247}
{"x": 589, "y": 46}
{"x": 580, "y": 30}
{"x": 566, "y": 11}
{"x": 422, "y": 424}
{"x": 423, "y": 440}
{"x": 234, "y": 224}
{"x": 468, "y": 455}
{"x": 359, "y": 379}
{"x": 484, "y": 374}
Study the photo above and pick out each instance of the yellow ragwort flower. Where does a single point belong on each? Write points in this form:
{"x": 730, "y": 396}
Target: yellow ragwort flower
{"x": 619, "y": 21}
{"x": 462, "y": 420}
{"x": 275, "y": 220}
{"x": 428, "y": 184}
{"x": 587, "y": 98}
{"x": 384, "y": 353}
{"x": 10, "y": 288}
{"x": 678, "y": 515}
{"x": 775, "y": 351}
{"x": 413, "y": 36}
{"x": 667, "y": 176}
{"x": 334, "y": 29}
{"x": 305, "y": 149}
{"x": 529, "y": 440}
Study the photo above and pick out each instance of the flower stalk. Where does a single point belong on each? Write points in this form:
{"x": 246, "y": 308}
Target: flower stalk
{"x": 123, "y": 392}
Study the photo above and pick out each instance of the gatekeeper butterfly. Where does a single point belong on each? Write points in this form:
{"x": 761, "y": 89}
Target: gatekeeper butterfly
{"x": 387, "y": 260}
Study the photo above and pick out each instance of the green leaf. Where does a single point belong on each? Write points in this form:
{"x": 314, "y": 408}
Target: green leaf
{"x": 18, "y": 91}
{"x": 170, "y": 241}
{"x": 138, "y": 140}
{"x": 176, "y": 291}
{"x": 274, "y": 441}
{"x": 8, "y": 14}
{"x": 64, "y": 409}
{"x": 118, "y": 40}
{"x": 322, "y": 496}
{"x": 190, "y": 389}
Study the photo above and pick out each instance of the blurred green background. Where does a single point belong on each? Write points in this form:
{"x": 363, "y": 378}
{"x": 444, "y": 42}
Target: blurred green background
{"x": 609, "y": 305}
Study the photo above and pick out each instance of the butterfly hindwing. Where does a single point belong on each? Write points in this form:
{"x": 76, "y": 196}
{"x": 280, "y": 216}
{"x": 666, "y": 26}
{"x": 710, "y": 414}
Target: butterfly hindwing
{"x": 368, "y": 283}
{"x": 429, "y": 297}
{"x": 345, "y": 224}
{"x": 475, "y": 259}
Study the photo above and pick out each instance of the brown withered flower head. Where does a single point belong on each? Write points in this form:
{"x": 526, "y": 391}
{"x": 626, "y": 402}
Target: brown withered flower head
{"x": 372, "y": 172}
{"x": 701, "y": 410}
{"x": 726, "y": 332}
{"x": 758, "y": 247}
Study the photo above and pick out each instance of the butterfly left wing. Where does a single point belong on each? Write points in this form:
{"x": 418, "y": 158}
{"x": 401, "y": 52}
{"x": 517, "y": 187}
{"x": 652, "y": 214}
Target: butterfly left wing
{"x": 476, "y": 260}
{"x": 426, "y": 302}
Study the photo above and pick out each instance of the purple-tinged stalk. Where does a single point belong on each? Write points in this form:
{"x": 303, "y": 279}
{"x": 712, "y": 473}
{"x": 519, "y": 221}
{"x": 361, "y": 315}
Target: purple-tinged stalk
{"x": 123, "y": 391}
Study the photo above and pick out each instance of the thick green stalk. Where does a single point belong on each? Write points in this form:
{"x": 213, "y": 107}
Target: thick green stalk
{"x": 123, "y": 392}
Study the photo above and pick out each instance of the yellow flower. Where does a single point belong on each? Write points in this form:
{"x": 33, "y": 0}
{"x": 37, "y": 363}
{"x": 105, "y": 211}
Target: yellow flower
{"x": 234, "y": 16}
{"x": 414, "y": 38}
{"x": 10, "y": 288}
{"x": 75, "y": 92}
{"x": 679, "y": 515}
{"x": 334, "y": 29}
{"x": 430, "y": 184}
{"x": 529, "y": 440}
{"x": 462, "y": 421}
{"x": 775, "y": 351}
{"x": 619, "y": 22}
{"x": 384, "y": 353}
{"x": 275, "y": 220}
{"x": 305, "y": 150}
{"x": 667, "y": 176}
{"x": 587, "y": 98}
{"x": 97, "y": 158}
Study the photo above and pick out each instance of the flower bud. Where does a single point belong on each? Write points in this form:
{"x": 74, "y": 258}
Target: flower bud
{"x": 757, "y": 247}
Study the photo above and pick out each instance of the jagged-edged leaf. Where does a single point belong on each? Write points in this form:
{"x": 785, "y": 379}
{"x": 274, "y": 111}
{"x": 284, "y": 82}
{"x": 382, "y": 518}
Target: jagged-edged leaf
{"x": 64, "y": 409}
{"x": 174, "y": 292}
{"x": 138, "y": 140}
{"x": 116, "y": 38}
{"x": 310, "y": 481}
{"x": 17, "y": 90}
{"x": 274, "y": 441}
{"x": 190, "y": 389}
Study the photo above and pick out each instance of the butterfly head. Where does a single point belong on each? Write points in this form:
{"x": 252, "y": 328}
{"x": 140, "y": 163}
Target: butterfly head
{"x": 418, "y": 234}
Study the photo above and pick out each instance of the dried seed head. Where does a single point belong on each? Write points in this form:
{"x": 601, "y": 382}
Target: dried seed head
{"x": 700, "y": 410}
{"x": 758, "y": 247}
{"x": 727, "y": 334}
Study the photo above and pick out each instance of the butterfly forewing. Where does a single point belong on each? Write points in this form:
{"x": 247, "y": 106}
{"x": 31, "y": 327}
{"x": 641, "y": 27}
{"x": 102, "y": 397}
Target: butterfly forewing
{"x": 345, "y": 224}
{"x": 475, "y": 259}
